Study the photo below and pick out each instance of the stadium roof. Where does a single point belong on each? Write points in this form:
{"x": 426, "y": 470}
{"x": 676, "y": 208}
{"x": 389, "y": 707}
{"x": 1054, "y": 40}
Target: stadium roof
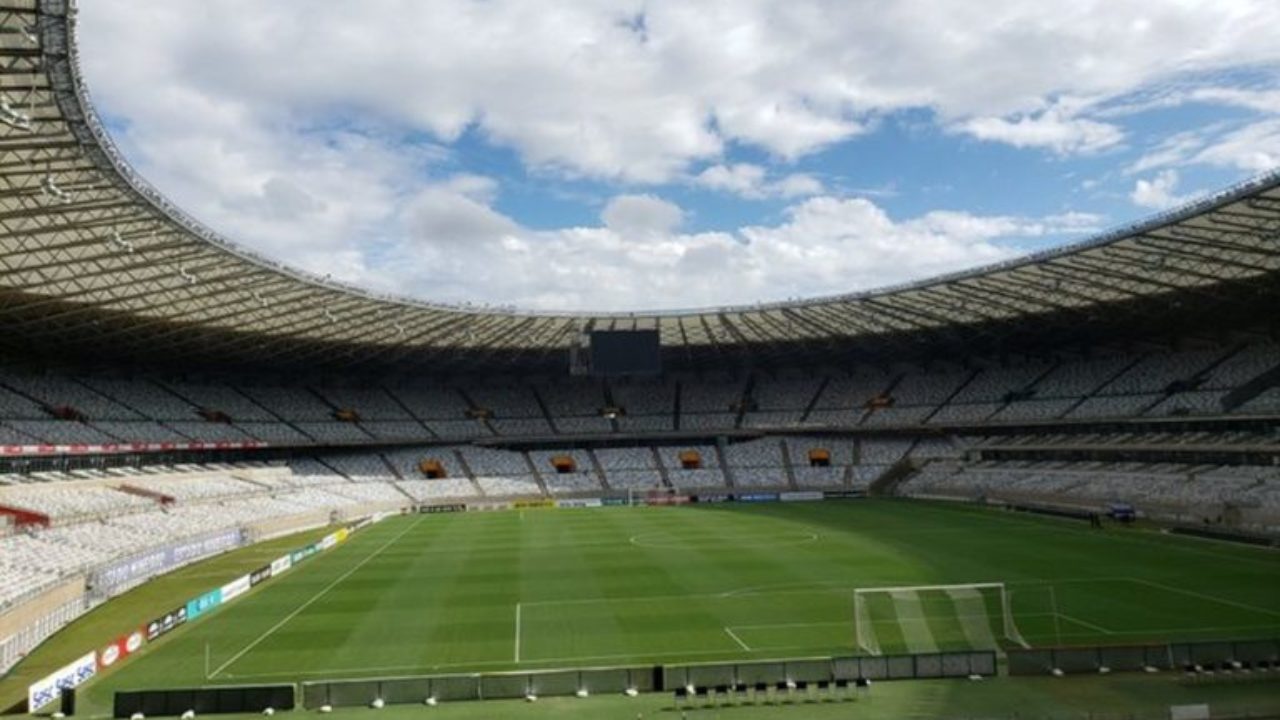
{"x": 93, "y": 260}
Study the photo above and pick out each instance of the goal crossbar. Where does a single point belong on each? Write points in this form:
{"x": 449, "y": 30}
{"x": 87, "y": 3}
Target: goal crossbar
{"x": 928, "y": 588}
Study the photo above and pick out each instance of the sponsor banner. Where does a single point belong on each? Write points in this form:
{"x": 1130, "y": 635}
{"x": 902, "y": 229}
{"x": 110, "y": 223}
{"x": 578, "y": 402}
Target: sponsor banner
{"x": 281, "y": 564}
{"x": 122, "y": 648}
{"x": 234, "y": 589}
{"x": 342, "y": 534}
{"x": 712, "y": 498}
{"x": 485, "y": 507}
{"x": 126, "y": 572}
{"x": 257, "y": 576}
{"x": 580, "y": 503}
{"x": 522, "y": 504}
{"x": 442, "y": 508}
{"x": 166, "y": 622}
{"x": 200, "y": 605}
{"x": 802, "y": 496}
{"x": 143, "y": 565}
{"x": 615, "y": 502}
{"x": 668, "y": 500}
{"x": 328, "y": 541}
{"x": 303, "y": 553}
{"x": 842, "y": 494}
{"x": 758, "y": 497}
{"x": 45, "y": 691}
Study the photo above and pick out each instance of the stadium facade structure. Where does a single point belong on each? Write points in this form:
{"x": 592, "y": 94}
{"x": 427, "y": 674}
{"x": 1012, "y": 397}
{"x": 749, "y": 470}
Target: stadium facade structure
{"x": 1141, "y": 365}
{"x": 94, "y": 258}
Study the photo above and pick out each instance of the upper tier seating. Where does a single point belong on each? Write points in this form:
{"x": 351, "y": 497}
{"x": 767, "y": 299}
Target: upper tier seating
{"x": 222, "y": 398}
{"x": 646, "y": 397}
{"x": 144, "y": 396}
{"x": 369, "y": 403}
{"x": 57, "y": 391}
{"x": 290, "y": 403}
{"x": 505, "y": 401}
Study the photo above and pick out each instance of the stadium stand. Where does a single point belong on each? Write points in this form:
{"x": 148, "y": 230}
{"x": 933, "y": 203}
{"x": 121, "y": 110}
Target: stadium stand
{"x": 1040, "y": 379}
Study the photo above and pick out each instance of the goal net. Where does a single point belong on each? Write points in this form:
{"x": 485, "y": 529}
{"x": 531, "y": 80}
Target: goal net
{"x": 930, "y": 618}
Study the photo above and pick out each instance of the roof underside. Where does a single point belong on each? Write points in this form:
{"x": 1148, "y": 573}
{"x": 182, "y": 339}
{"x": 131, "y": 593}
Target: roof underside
{"x": 95, "y": 261}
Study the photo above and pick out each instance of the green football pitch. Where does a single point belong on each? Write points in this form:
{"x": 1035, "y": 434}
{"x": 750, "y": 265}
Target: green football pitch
{"x": 543, "y": 588}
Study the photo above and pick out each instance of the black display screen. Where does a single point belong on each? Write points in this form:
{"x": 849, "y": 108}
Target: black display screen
{"x": 625, "y": 352}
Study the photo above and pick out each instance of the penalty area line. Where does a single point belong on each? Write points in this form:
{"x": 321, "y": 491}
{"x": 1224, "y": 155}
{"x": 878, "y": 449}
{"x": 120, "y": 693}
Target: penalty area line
{"x": 737, "y": 639}
{"x": 313, "y": 598}
{"x": 1206, "y": 596}
{"x": 1086, "y": 624}
{"x": 517, "y": 632}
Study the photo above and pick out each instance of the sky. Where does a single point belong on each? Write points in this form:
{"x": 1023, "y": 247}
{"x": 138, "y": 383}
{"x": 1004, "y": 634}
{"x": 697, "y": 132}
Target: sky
{"x": 629, "y": 155}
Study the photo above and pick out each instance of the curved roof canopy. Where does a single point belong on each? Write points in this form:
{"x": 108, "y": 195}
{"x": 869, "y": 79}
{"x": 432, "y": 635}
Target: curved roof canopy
{"x": 94, "y": 258}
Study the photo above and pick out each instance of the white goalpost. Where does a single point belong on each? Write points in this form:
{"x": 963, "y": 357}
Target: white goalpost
{"x": 968, "y": 610}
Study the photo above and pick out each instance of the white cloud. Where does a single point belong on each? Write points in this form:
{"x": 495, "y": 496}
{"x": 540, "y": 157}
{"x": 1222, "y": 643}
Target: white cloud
{"x": 1054, "y": 129}
{"x": 1159, "y": 192}
{"x": 1173, "y": 150}
{"x": 1253, "y": 147}
{"x": 1074, "y": 223}
{"x": 453, "y": 219}
{"x": 325, "y": 138}
{"x": 743, "y": 179}
{"x": 1264, "y": 101}
{"x": 638, "y": 256}
{"x": 641, "y": 215}
{"x": 797, "y": 185}
{"x": 751, "y": 181}
{"x": 575, "y": 88}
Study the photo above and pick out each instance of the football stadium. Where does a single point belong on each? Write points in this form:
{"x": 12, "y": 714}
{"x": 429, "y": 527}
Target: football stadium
{"x": 1047, "y": 487}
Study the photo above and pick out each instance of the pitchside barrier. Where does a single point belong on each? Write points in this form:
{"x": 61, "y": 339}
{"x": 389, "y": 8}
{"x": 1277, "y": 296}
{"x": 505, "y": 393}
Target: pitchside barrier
{"x": 360, "y": 693}
{"x": 204, "y": 701}
{"x": 1119, "y": 658}
{"x": 883, "y": 667}
{"x": 490, "y": 686}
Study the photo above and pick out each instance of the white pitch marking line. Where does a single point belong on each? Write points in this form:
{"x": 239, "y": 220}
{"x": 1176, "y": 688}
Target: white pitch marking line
{"x": 314, "y": 598}
{"x": 818, "y": 588}
{"x": 1203, "y": 596}
{"x": 1083, "y": 623}
{"x": 792, "y": 625}
{"x": 737, "y": 639}
{"x": 517, "y": 632}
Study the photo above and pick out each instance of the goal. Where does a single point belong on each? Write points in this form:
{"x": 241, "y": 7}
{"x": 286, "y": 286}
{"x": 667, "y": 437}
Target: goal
{"x": 929, "y": 618}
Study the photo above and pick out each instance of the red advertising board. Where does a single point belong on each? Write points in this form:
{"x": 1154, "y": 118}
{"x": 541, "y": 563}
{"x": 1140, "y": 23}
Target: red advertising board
{"x": 121, "y": 648}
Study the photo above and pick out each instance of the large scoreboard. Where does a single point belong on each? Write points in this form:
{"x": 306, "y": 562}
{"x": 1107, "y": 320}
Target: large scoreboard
{"x": 618, "y": 353}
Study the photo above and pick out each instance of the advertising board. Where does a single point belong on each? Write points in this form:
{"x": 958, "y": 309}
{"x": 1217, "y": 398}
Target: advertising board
{"x": 198, "y": 606}
{"x": 257, "y": 576}
{"x": 123, "y": 573}
{"x": 446, "y": 508}
{"x": 580, "y": 503}
{"x": 46, "y": 690}
{"x": 281, "y": 564}
{"x": 121, "y": 648}
{"x": 801, "y": 496}
{"x": 234, "y": 589}
{"x": 166, "y": 622}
